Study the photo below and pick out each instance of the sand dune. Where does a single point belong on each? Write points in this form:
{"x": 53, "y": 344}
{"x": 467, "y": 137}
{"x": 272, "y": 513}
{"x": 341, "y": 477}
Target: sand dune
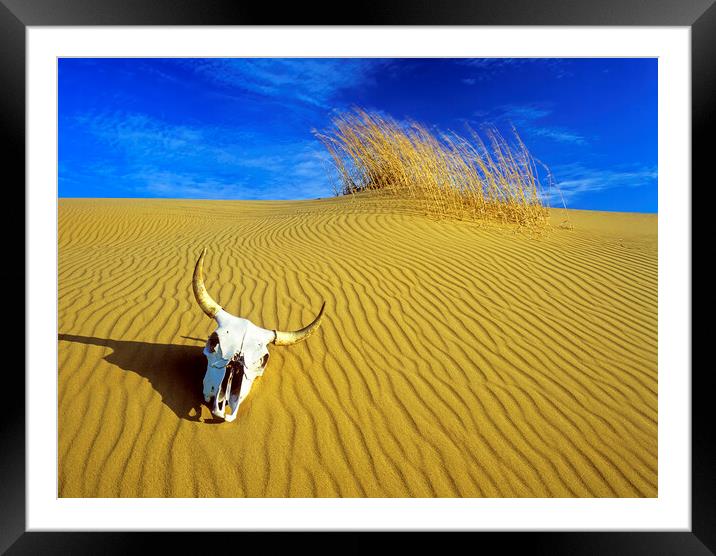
{"x": 454, "y": 360}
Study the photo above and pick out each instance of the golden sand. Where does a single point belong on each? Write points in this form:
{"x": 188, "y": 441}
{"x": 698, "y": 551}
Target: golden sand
{"x": 453, "y": 360}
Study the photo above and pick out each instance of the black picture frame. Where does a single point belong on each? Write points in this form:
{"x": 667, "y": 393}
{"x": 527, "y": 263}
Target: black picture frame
{"x": 16, "y": 15}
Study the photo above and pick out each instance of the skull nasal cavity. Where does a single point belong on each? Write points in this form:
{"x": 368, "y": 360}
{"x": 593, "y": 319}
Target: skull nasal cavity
{"x": 236, "y": 363}
{"x": 213, "y": 340}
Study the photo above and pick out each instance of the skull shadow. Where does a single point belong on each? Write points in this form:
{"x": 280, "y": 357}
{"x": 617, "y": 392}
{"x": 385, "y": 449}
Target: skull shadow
{"x": 175, "y": 372}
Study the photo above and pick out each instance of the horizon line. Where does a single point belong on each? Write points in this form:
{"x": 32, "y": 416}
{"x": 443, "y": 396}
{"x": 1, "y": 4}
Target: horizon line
{"x": 315, "y": 199}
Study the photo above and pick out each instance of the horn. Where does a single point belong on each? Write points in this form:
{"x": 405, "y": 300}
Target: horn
{"x": 288, "y": 338}
{"x": 207, "y": 304}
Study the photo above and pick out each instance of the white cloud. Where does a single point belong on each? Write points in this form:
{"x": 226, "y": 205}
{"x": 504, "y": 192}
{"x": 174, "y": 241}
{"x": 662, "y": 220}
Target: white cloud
{"x": 530, "y": 119}
{"x": 148, "y": 156}
{"x": 575, "y": 179}
{"x": 303, "y": 81}
{"x": 485, "y": 69}
{"x": 558, "y": 134}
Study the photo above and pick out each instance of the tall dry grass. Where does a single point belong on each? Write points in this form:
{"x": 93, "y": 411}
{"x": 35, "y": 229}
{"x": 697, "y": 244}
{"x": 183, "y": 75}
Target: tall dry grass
{"x": 448, "y": 175}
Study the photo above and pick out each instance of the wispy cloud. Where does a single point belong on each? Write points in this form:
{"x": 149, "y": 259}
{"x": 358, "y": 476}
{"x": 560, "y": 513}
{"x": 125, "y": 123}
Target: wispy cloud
{"x": 558, "y": 134}
{"x": 307, "y": 81}
{"x": 575, "y": 179}
{"x": 531, "y": 119}
{"x": 163, "y": 183}
{"x": 485, "y": 69}
{"x": 524, "y": 112}
{"x": 151, "y": 157}
{"x": 139, "y": 133}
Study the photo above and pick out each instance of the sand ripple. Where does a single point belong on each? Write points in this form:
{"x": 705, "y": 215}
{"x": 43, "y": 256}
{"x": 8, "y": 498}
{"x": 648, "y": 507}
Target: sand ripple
{"x": 453, "y": 360}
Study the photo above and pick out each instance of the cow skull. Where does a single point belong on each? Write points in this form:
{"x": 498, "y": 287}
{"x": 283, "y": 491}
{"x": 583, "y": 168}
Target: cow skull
{"x": 237, "y": 351}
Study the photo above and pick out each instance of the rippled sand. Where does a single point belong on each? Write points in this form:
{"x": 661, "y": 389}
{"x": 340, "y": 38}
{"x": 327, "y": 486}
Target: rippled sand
{"x": 454, "y": 360}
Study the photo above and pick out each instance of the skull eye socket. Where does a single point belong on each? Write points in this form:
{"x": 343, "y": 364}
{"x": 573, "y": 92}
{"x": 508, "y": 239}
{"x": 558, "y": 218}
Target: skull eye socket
{"x": 212, "y": 341}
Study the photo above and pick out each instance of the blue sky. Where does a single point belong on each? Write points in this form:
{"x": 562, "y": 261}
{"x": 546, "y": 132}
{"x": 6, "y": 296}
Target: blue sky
{"x": 242, "y": 128}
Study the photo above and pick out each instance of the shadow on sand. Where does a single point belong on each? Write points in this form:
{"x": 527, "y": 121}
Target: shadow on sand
{"x": 175, "y": 372}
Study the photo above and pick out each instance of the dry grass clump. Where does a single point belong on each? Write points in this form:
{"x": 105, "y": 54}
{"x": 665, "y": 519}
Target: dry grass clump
{"x": 448, "y": 175}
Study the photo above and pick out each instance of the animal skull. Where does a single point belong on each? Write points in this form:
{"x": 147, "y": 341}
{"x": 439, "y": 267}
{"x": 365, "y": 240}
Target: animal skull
{"x": 237, "y": 351}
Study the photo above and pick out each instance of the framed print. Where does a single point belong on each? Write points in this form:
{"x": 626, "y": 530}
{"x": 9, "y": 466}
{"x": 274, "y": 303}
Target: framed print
{"x": 423, "y": 271}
